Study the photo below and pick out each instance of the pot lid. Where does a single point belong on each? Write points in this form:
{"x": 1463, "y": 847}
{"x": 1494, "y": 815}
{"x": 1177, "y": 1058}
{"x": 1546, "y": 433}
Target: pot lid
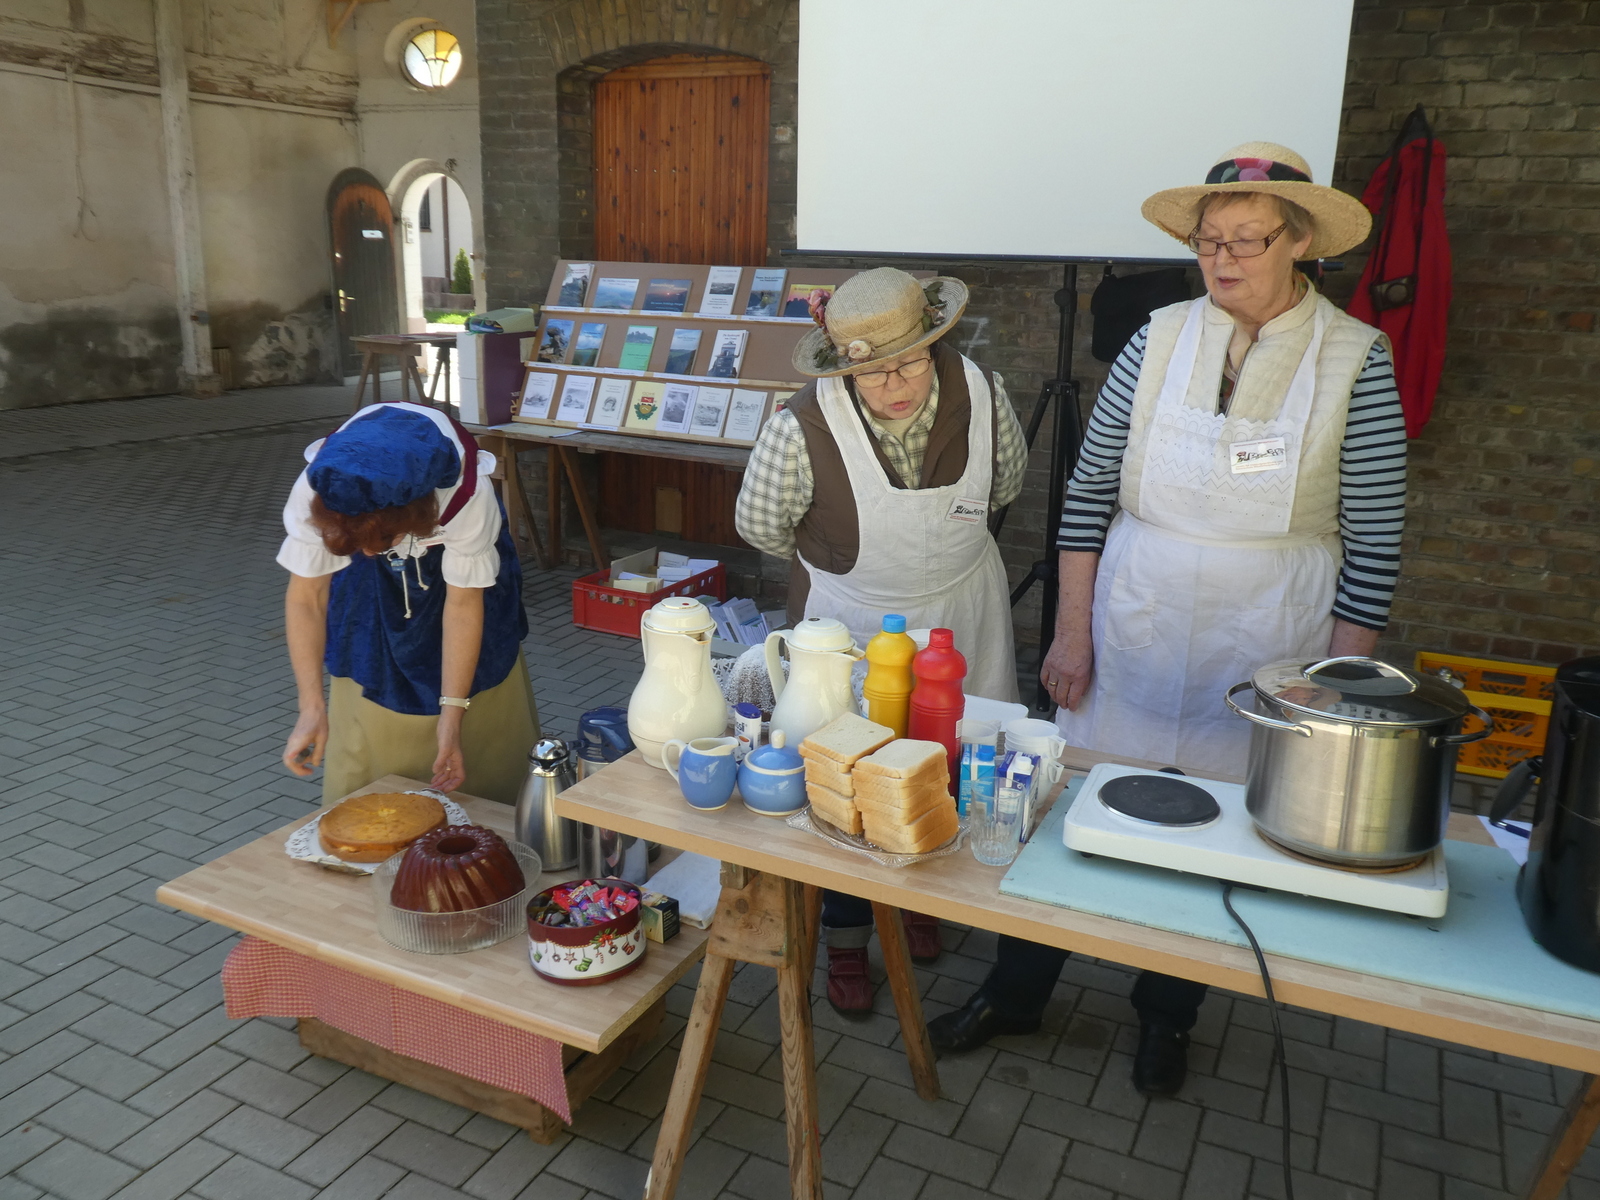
{"x": 775, "y": 758}
{"x": 548, "y": 754}
{"x": 1362, "y": 691}
{"x": 821, "y": 634}
{"x": 679, "y": 614}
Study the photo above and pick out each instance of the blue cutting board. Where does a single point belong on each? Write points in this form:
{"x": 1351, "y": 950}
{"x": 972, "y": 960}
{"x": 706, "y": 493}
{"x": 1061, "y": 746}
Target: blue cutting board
{"x": 1480, "y": 947}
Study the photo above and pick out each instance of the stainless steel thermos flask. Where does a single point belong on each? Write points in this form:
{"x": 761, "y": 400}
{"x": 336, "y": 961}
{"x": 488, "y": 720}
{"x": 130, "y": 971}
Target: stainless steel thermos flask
{"x": 555, "y": 838}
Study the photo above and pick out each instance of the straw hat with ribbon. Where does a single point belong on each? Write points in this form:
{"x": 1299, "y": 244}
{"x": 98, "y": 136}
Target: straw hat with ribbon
{"x": 1340, "y": 221}
{"x": 876, "y": 316}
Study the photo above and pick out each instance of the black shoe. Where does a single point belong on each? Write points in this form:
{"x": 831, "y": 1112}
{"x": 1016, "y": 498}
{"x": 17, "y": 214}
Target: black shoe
{"x": 1161, "y": 1063}
{"x": 970, "y": 1027}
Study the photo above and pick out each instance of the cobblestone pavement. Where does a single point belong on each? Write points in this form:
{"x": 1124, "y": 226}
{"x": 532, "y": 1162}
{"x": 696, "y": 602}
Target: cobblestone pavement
{"x": 144, "y": 698}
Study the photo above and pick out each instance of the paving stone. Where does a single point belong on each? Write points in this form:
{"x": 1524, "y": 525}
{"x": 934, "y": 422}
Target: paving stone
{"x": 176, "y": 1128}
{"x": 752, "y": 1133}
{"x": 75, "y": 1172}
{"x": 336, "y": 1152}
{"x": 94, "y": 1120}
{"x": 241, "y": 1179}
{"x": 854, "y": 1142}
{"x": 258, "y": 1084}
{"x": 942, "y": 1156}
{"x": 1217, "y": 1174}
{"x": 338, "y": 1101}
{"x": 607, "y": 1171}
{"x": 1446, "y": 1158}
{"x": 507, "y": 1173}
{"x": 267, "y": 1139}
{"x": 1081, "y": 1124}
{"x": 266, "y": 1043}
{"x": 992, "y": 1114}
{"x": 114, "y": 1026}
{"x": 1029, "y": 1165}
{"x": 903, "y": 1104}
{"x": 1471, "y": 1115}
{"x": 1349, "y": 1149}
{"x": 183, "y": 1081}
{"x": 39, "y": 1058}
{"x": 109, "y": 1072}
{"x": 195, "y": 1036}
{"x": 423, "y": 1109}
{"x": 41, "y": 1025}
{"x": 1128, "y": 1176}
{"x": 176, "y": 1173}
{"x": 1167, "y": 1134}
{"x": 439, "y": 1156}
{"x": 20, "y": 1145}
{"x": 707, "y": 1168}
{"x": 609, "y": 1126}
{"x": 366, "y": 1180}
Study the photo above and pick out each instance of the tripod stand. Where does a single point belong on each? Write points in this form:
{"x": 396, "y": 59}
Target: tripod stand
{"x": 1061, "y": 392}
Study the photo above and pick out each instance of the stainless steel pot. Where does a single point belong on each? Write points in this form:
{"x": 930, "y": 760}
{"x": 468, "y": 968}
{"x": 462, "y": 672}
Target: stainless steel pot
{"x": 1352, "y": 759}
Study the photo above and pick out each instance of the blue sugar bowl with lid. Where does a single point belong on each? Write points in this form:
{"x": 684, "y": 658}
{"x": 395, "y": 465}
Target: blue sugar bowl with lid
{"x": 772, "y": 779}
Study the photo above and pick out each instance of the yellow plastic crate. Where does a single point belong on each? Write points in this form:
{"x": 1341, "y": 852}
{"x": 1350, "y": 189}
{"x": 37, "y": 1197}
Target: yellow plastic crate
{"x": 1516, "y": 695}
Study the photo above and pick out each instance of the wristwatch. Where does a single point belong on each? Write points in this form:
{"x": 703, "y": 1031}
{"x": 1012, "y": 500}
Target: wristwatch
{"x": 454, "y": 702}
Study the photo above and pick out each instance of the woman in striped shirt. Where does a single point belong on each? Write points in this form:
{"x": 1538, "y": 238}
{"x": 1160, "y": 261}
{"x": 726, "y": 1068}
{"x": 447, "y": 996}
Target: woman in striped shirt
{"x": 1254, "y": 444}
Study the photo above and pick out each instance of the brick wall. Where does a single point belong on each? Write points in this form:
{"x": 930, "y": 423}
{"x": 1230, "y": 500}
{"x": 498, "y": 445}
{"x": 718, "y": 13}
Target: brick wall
{"x": 1501, "y": 549}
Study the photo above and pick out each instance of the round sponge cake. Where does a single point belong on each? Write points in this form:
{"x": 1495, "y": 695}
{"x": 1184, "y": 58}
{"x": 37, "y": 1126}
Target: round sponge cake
{"x": 368, "y": 829}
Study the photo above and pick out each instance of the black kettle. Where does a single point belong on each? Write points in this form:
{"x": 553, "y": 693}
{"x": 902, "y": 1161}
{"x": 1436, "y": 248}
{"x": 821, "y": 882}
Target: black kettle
{"x": 1559, "y": 887}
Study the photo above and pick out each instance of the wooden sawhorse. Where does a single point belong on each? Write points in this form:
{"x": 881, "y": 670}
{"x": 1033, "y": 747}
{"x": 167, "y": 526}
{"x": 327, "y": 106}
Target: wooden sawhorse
{"x": 373, "y": 349}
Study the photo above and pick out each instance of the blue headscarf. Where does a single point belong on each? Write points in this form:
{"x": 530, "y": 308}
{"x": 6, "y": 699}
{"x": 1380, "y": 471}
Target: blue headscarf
{"x": 383, "y": 459}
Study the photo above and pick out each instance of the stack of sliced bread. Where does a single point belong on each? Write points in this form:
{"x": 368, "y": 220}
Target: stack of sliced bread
{"x": 903, "y": 794}
{"x": 896, "y": 793}
{"x": 829, "y": 754}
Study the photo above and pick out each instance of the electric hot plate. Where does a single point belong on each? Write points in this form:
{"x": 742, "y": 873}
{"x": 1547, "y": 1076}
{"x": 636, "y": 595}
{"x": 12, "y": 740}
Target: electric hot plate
{"x": 1160, "y": 800}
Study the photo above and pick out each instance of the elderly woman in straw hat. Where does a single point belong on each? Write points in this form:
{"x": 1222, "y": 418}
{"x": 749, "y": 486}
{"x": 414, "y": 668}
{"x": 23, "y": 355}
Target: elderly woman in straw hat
{"x": 878, "y": 479}
{"x": 1254, "y": 443}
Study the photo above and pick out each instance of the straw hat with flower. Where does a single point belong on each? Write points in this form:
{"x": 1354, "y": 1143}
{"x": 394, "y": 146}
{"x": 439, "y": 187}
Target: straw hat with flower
{"x": 876, "y": 316}
{"x": 1341, "y": 220}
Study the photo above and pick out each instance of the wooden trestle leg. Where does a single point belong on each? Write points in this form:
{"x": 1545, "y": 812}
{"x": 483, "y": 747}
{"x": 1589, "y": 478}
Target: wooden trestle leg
{"x": 1567, "y": 1142}
{"x": 907, "y": 1003}
{"x": 765, "y": 922}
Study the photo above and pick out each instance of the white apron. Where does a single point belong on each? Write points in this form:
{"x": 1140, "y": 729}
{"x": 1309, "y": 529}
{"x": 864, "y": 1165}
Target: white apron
{"x": 1209, "y": 585}
{"x": 925, "y": 552}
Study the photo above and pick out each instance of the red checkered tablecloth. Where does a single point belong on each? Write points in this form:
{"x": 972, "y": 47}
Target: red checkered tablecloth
{"x": 261, "y": 979}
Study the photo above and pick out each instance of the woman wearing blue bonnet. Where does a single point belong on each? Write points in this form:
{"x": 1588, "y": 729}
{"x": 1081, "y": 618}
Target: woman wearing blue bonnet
{"x": 405, "y": 586}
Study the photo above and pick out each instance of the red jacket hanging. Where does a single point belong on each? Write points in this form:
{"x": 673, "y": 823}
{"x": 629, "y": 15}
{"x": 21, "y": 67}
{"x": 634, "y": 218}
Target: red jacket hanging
{"x": 1410, "y": 259}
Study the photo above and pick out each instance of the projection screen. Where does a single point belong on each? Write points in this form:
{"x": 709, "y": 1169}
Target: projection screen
{"x": 1035, "y": 128}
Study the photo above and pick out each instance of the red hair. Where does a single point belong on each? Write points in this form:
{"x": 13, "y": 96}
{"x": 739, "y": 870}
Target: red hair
{"x": 376, "y": 531}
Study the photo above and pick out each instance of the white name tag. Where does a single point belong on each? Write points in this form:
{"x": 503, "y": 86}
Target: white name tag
{"x": 1269, "y": 454}
{"x": 973, "y": 512}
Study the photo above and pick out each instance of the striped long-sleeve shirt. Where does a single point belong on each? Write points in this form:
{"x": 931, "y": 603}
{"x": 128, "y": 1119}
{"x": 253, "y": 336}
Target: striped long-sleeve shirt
{"x": 1372, "y": 481}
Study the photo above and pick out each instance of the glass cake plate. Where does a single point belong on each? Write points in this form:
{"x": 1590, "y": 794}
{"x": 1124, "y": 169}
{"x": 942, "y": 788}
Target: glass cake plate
{"x": 812, "y": 823}
{"x": 303, "y": 845}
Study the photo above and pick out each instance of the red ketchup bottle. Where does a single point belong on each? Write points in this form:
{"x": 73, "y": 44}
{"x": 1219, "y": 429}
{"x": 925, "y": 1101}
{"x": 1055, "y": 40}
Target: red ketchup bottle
{"x": 936, "y": 700}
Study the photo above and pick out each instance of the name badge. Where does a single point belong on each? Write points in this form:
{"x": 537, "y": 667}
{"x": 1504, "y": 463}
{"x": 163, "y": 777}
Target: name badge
{"x": 1269, "y": 454}
{"x": 973, "y": 512}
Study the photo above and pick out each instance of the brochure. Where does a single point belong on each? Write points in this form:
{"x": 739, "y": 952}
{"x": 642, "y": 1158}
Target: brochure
{"x": 586, "y": 350}
{"x": 575, "y": 397}
{"x": 766, "y": 290}
{"x": 677, "y": 406}
{"x": 709, "y": 409}
{"x": 537, "y": 392}
{"x": 727, "y": 353}
{"x": 557, "y": 338}
{"x": 575, "y": 285}
{"x": 681, "y": 351}
{"x": 615, "y": 293}
{"x": 667, "y": 295}
{"x": 611, "y": 404}
{"x": 745, "y": 411}
{"x": 636, "y": 346}
{"x": 644, "y": 408}
{"x": 721, "y": 285}
{"x": 798, "y": 302}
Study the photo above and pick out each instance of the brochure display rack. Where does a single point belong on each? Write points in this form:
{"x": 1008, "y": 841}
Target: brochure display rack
{"x": 660, "y": 350}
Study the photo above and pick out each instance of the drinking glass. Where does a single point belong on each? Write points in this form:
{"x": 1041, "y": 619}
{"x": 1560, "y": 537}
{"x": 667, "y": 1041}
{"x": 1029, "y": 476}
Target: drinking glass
{"x": 994, "y": 827}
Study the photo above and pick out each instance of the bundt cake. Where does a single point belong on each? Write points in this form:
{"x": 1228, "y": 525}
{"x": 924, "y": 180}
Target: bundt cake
{"x": 455, "y": 868}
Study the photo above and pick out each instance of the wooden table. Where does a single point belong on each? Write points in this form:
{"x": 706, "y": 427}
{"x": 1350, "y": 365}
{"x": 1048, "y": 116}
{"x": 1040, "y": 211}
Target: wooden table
{"x": 258, "y": 890}
{"x": 504, "y": 441}
{"x": 634, "y": 798}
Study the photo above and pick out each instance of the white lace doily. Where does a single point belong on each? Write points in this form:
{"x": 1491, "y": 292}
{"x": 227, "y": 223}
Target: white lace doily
{"x": 303, "y": 845}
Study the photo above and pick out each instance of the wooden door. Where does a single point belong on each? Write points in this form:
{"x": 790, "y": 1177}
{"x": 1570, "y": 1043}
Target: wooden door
{"x": 361, "y": 233}
{"x": 680, "y": 152}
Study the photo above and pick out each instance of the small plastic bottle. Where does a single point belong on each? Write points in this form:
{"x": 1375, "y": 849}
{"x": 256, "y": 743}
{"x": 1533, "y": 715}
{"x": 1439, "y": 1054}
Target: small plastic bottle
{"x": 936, "y": 700}
{"x": 888, "y": 686}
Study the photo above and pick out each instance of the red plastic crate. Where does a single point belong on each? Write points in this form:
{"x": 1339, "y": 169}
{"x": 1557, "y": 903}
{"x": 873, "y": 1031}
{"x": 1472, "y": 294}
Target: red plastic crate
{"x": 598, "y": 605}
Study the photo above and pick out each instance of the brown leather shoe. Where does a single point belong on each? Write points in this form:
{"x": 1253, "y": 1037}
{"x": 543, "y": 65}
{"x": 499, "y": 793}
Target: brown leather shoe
{"x": 922, "y": 936}
{"x": 849, "y": 987}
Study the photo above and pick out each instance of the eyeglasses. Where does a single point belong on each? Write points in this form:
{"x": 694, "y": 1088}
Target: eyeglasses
{"x": 910, "y": 370}
{"x": 1238, "y": 248}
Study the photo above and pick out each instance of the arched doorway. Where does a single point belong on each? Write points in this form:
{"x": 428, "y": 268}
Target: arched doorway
{"x": 361, "y": 234}
{"x": 435, "y": 216}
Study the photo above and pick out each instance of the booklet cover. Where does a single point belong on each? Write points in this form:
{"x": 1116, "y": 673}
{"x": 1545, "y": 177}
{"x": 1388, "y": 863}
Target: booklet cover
{"x": 615, "y": 293}
{"x": 721, "y": 285}
{"x": 537, "y": 392}
{"x": 575, "y": 285}
{"x": 677, "y": 406}
{"x": 744, "y": 414}
{"x": 667, "y": 295}
{"x": 798, "y": 302}
{"x": 575, "y": 397}
{"x": 586, "y": 350}
{"x": 644, "y": 408}
{"x": 681, "y": 351}
{"x": 636, "y": 346}
{"x": 557, "y": 338}
{"x": 710, "y": 406}
{"x": 727, "y": 353}
{"x": 766, "y": 290}
{"x": 611, "y": 404}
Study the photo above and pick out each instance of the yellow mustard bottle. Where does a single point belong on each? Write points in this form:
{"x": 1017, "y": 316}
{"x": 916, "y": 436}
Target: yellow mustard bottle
{"x": 889, "y": 682}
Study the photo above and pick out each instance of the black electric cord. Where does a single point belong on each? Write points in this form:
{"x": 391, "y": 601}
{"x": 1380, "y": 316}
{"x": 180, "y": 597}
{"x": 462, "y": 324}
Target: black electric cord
{"x": 1277, "y": 1031}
